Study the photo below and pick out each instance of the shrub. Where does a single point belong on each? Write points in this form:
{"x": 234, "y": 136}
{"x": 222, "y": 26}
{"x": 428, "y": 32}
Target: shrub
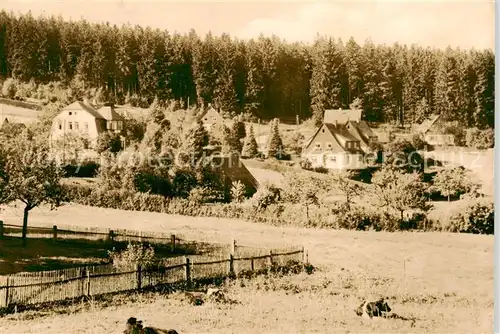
{"x": 418, "y": 142}
{"x": 198, "y": 195}
{"x": 85, "y": 169}
{"x": 477, "y": 218}
{"x": 306, "y": 164}
{"x": 237, "y": 192}
{"x": 9, "y": 88}
{"x": 134, "y": 254}
{"x": 265, "y": 196}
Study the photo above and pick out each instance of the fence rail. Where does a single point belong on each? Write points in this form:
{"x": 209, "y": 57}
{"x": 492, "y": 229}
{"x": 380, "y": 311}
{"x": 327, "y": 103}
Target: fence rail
{"x": 55, "y": 285}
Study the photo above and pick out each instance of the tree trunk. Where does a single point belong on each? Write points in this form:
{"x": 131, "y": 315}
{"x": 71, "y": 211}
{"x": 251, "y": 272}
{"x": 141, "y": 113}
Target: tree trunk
{"x": 448, "y": 197}
{"x": 25, "y": 222}
{"x": 402, "y": 217}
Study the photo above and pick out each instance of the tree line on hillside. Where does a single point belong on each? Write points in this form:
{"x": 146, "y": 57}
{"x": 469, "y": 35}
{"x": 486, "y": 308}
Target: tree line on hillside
{"x": 266, "y": 77}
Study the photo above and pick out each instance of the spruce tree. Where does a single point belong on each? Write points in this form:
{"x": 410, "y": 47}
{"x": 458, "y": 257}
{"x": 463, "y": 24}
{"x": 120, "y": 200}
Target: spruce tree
{"x": 250, "y": 148}
{"x": 196, "y": 139}
{"x": 275, "y": 143}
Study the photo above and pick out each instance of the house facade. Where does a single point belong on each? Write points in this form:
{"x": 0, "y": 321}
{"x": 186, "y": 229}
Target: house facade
{"x": 341, "y": 142}
{"x": 211, "y": 117}
{"x": 432, "y": 131}
{"x": 80, "y": 119}
{"x": 333, "y": 147}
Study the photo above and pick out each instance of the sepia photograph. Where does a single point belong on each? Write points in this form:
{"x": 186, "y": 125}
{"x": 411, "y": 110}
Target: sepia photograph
{"x": 273, "y": 167}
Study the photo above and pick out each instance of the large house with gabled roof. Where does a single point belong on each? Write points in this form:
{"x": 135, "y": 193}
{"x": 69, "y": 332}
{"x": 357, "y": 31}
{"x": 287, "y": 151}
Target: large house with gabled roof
{"x": 341, "y": 142}
{"x": 81, "y": 119}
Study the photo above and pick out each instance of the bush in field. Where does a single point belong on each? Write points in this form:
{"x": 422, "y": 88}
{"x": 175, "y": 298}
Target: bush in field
{"x": 9, "y": 88}
{"x": 306, "y": 164}
{"x": 399, "y": 191}
{"x": 477, "y": 218}
{"x": 403, "y": 154}
{"x": 198, "y": 195}
{"x": 266, "y": 195}
{"x": 342, "y": 181}
{"x": 301, "y": 189}
{"x": 453, "y": 182}
{"x": 134, "y": 254}
{"x": 183, "y": 181}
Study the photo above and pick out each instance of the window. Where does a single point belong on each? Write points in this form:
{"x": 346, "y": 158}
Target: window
{"x": 206, "y": 119}
{"x": 329, "y": 146}
{"x": 214, "y": 118}
{"x": 86, "y": 126}
{"x": 70, "y": 113}
{"x": 347, "y": 159}
{"x": 323, "y": 130}
{"x": 77, "y": 126}
{"x": 360, "y": 158}
{"x": 60, "y": 126}
{"x": 333, "y": 158}
{"x": 70, "y": 125}
{"x": 318, "y": 145}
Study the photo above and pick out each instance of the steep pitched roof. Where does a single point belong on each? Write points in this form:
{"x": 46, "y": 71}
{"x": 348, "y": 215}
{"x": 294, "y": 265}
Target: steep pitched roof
{"x": 79, "y": 105}
{"x": 340, "y": 134}
{"x": 210, "y": 110}
{"x": 235, "y": 170}
{"x": 109, "y": 113}
{"x": 341, "y": 115}
{"x": 428, "y": 123}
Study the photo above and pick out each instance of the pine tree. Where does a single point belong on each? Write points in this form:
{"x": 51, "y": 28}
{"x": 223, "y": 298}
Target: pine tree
{"x": 250, "y": 147}
{"x": 275, "y": 145}
{"x": 196, "y": 139}
{"x": 235, "y": 135}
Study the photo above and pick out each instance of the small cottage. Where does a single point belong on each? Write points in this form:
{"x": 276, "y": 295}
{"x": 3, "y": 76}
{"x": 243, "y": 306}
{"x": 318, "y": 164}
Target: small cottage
{"x": 432, "y": 130}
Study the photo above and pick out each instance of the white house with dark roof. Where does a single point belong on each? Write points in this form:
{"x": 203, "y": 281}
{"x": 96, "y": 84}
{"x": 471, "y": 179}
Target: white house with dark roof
{"x": 82, "y": 119}
{"x": 341, "y": 142}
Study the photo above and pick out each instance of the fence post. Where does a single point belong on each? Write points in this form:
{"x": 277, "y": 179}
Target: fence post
{"x": 307, "y": 257}
{"x": 54, "y": 231}
{"x": 7, "y": 292}
{"x": 252, "y": 265}
{"x": 83, "y": 274}
{"x": 139, "y": 276}
{"x": 172, "y": 243}
{"x": 303, "y": 255}
{"x": 187, "y": 274}
{"x": 233, "y": 246}
{"x": 1, "y": 228}
{"x": 111, "y": 236}
{"x": 231, "y": 264}
{"x": 88, "y": 281}
{"x": 270, "y": 258}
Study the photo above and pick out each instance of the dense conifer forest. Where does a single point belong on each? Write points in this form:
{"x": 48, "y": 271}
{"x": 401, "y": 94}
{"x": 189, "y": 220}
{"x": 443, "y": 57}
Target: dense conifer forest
{"x": 266, "y": 76}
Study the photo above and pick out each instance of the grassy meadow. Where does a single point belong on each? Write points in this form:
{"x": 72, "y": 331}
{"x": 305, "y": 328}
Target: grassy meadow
{"x": 444, "y": 281}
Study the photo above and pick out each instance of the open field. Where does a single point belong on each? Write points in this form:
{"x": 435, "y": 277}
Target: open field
{"x": 17, "y": 114}
{"x": 443, "y": 280}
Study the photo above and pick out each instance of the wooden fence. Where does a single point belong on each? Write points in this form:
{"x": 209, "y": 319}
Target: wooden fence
{"x": 49, "y": 286}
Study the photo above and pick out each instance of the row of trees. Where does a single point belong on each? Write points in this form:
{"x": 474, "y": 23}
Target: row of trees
{"x": 265, "y": 76}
